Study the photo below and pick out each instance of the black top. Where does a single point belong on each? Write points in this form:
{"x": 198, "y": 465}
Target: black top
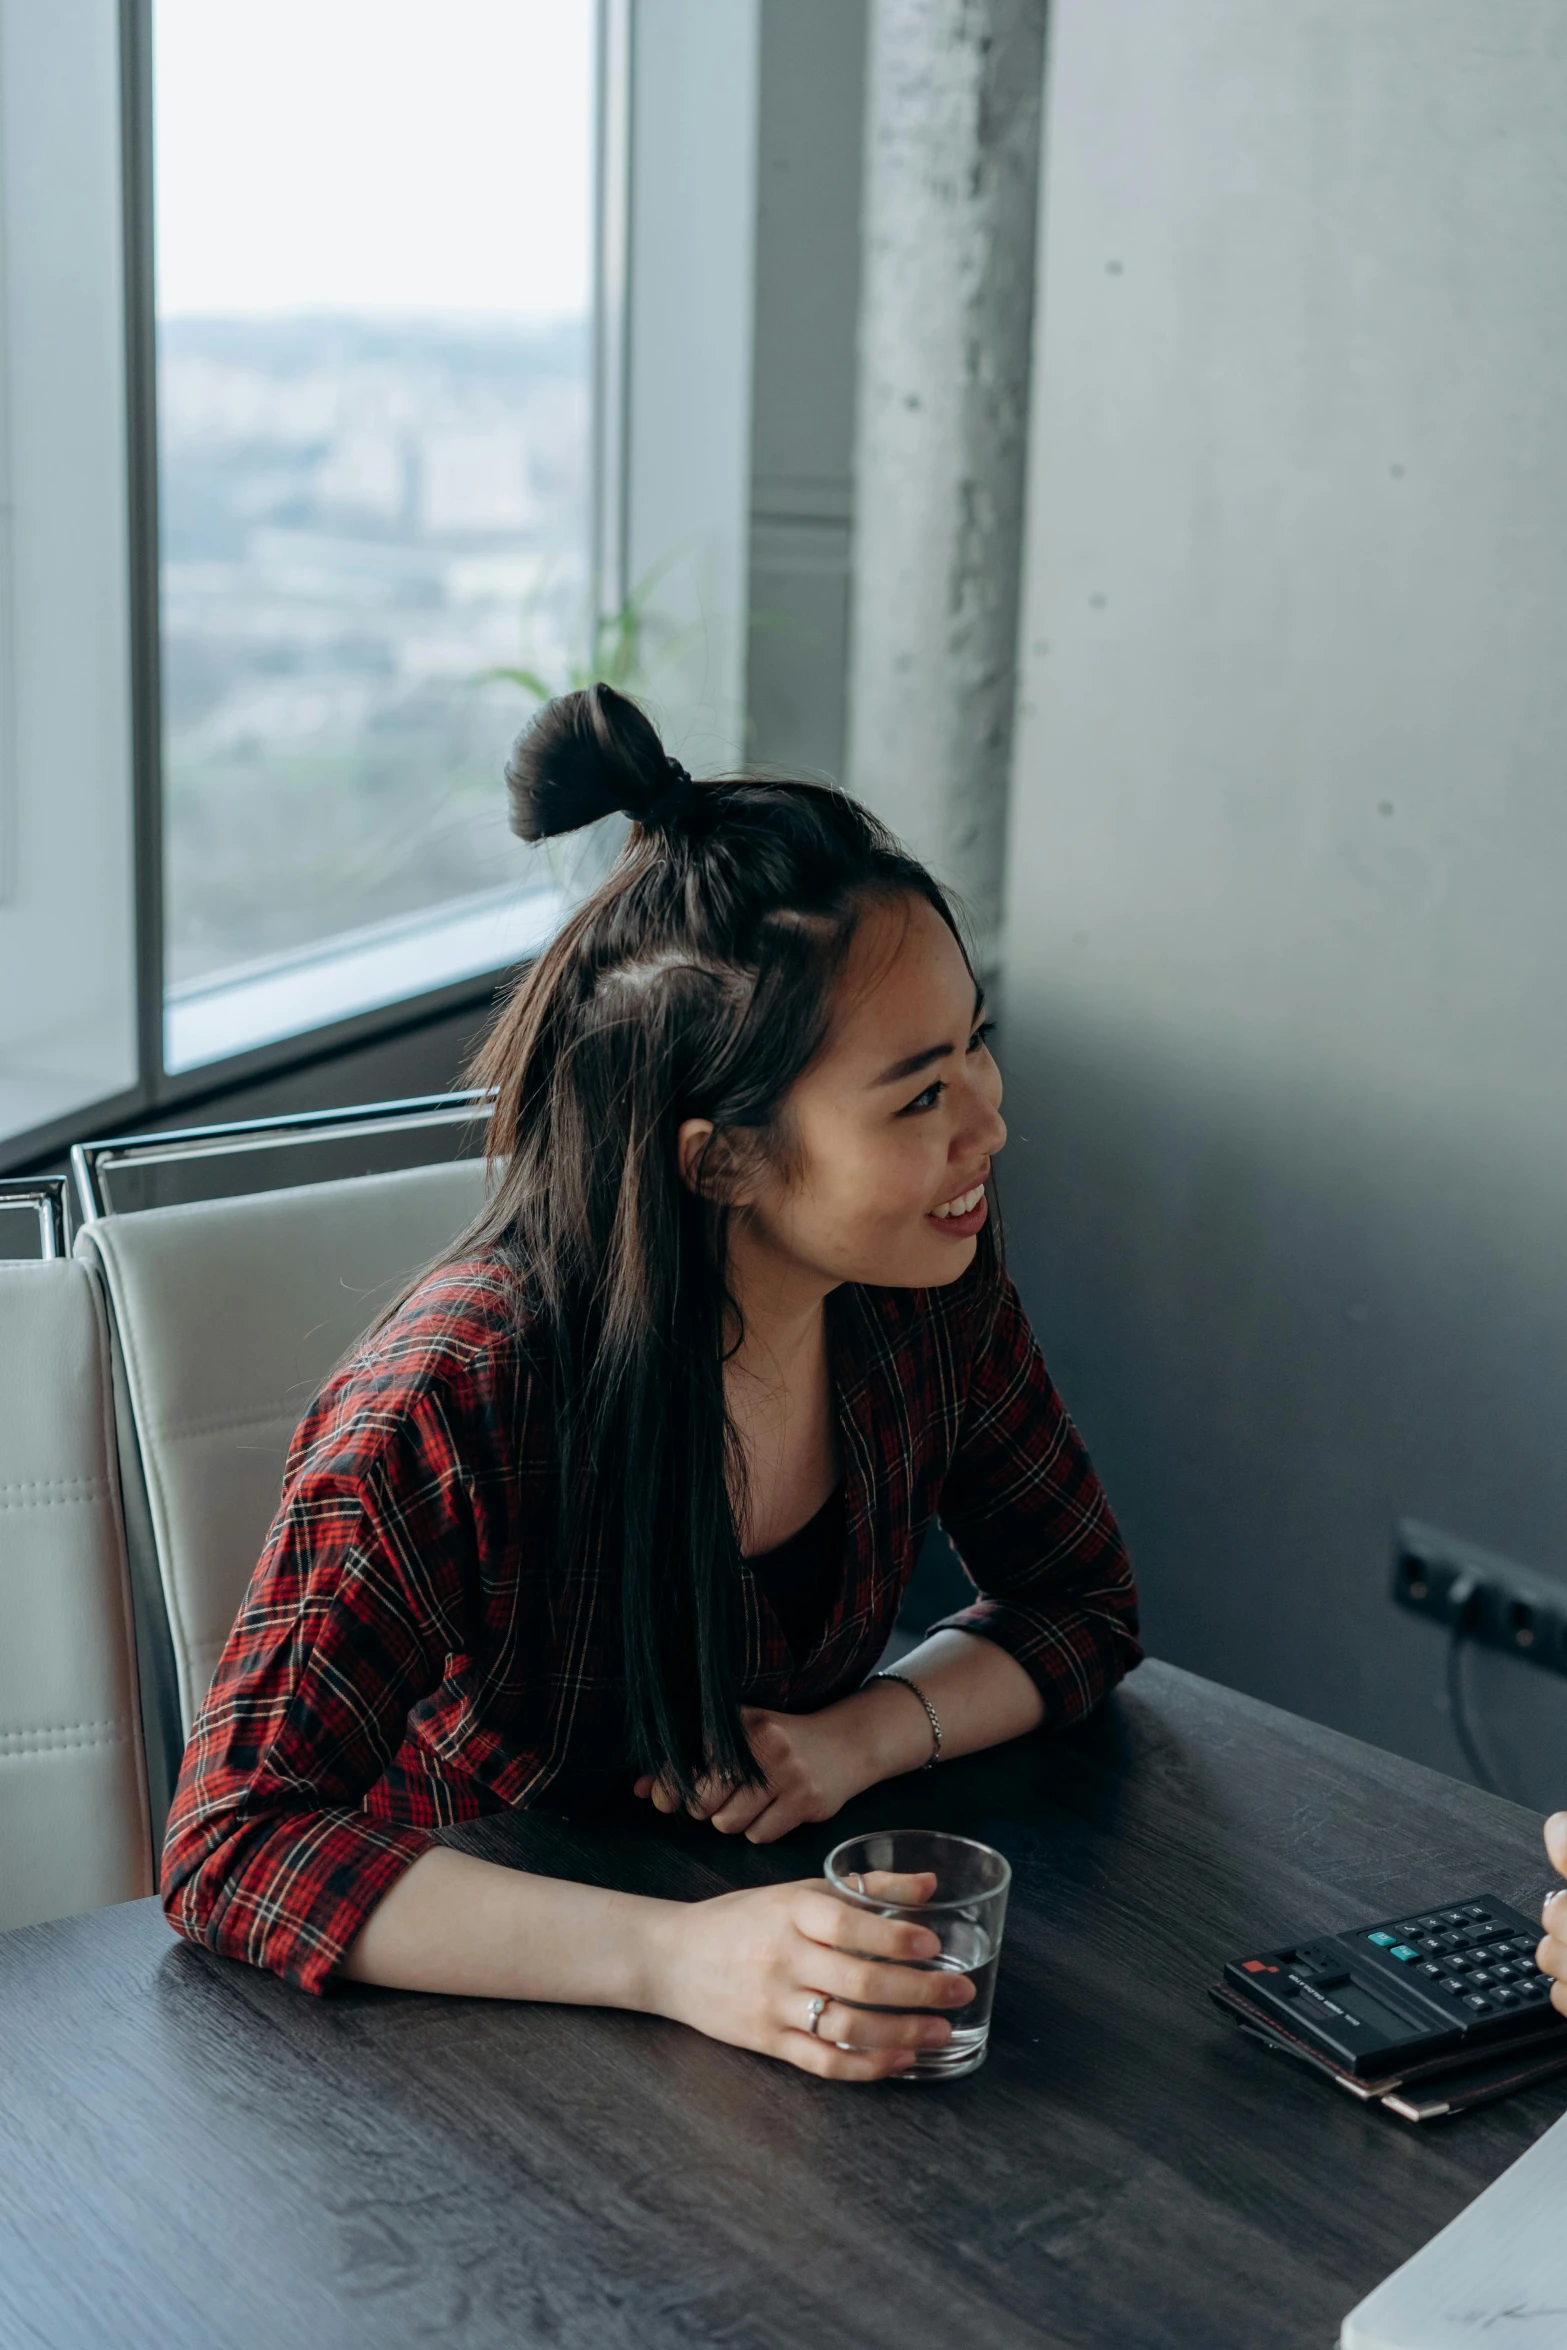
{"x": 797, "y": 1578}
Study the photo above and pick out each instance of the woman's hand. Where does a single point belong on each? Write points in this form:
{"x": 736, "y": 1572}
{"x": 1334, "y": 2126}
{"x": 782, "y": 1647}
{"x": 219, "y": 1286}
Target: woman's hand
{"x": 813, "y": 1762}
{"x": 746, "y": 1967}
{"x": 1551, "y": 1957}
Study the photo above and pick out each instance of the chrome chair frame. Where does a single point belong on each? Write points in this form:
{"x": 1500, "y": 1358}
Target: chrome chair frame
{"x": 46, "y": 1195}
{"x": 93, "y": 1163}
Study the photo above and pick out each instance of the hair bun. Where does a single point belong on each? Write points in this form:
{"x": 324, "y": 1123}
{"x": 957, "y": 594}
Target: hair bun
{"x": 586, "y": 754}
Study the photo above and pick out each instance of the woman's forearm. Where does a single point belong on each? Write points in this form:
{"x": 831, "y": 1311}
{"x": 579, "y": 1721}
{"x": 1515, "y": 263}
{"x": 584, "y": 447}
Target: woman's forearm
{"x": 981, "y": 1694}
{"x": 456, "y": 1924}
{"x": 761, "y": 1968}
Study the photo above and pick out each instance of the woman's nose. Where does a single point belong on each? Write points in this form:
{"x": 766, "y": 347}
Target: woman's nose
{"x": 985, "y": 1129}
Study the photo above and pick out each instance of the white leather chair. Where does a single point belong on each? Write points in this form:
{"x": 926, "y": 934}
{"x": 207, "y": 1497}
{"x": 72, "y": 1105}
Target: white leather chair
{"x": 74, "y": 1826}
{"x": 227, "y": 1316}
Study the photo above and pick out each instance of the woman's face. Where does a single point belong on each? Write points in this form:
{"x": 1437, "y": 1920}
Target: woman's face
{"x": 894, "y": 1124}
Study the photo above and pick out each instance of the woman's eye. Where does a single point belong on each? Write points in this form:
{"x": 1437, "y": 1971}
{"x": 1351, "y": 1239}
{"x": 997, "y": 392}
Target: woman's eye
{"x": 934, "y": 1091}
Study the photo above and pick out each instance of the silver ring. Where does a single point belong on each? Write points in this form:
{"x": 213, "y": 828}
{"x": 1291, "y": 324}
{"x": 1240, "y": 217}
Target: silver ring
{"x": 818, "y": 2010}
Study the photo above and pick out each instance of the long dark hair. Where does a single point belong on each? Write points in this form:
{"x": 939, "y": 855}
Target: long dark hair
{"x": 695, "y": 982}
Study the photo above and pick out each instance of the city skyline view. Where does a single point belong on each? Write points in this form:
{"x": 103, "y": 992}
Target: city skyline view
{"x": 359, "y": 520}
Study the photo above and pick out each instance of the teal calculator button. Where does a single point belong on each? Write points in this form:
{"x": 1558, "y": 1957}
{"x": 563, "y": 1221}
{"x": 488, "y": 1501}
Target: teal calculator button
{"x": 1402, "y": 1950}
{"x": 1386, "y": 1940}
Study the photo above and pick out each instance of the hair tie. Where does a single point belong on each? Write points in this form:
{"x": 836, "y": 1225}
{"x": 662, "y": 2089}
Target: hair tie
{"x": 665, "y": 810}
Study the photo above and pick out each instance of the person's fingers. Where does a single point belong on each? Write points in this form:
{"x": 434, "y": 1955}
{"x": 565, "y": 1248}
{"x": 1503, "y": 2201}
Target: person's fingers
{"x": 644, "y": 1785}
{"x": 1551, "y": 1958}
{"x": 1556, "y": 1840}
{"x": 741, "y": 1809}
{"x": 710, "y": 1797}
{"x": 830, "y": 2063}
{"x": 905, "y": 1891}
{"x": 1553, "y": 1913}
{"x": 875, "y": 2027}
{"x": 821, "y": 1917}
{"x": 870, "y": 1982}
{"x": 782, "y": 1813}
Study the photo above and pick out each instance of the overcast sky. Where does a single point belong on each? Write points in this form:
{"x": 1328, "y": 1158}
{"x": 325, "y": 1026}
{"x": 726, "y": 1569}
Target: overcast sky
{"x": 404, "y": 156}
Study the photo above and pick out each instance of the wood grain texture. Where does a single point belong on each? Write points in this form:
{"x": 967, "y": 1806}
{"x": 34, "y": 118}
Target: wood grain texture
{"x": 193, "y": 2155}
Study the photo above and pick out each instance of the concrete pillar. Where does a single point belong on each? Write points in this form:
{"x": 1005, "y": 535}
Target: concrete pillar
{"x": 951, "y": 186}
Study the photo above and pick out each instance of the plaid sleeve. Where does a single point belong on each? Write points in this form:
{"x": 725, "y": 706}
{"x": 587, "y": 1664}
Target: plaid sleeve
{"x": 1034, "y": 1530}
{"x": 271, "y": 1854}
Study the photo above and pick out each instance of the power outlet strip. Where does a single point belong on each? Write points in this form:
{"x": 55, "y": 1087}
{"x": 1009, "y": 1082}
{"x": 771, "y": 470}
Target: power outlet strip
{"x": 1496, "y": 1603}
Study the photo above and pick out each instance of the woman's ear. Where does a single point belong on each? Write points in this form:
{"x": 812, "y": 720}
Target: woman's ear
{"x": 690, "y": 1148}
{"x": 707, "y": 1162}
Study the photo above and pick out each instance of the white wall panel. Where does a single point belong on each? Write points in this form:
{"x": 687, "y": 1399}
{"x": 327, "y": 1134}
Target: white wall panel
{"x": 67, "y": 998}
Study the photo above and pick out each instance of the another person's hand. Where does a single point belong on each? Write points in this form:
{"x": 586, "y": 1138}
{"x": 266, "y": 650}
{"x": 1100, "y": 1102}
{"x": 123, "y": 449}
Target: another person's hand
{"x": 746, "y": 1968}
{"x": 1551, "y": 1957}
{"x": 814, "y": 1764}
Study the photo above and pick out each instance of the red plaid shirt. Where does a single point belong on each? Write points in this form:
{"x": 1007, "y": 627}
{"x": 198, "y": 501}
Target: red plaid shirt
{"x": 409, "y": 1655}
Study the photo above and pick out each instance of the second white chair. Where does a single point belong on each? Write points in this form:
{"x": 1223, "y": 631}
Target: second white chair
{"x": 228, "y": 1314}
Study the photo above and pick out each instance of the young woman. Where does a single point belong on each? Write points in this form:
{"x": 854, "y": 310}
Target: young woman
{"x": 627, "y": 1491}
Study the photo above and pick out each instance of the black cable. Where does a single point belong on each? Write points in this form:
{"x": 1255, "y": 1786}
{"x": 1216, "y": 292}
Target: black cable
{"x": 1458, "y": 1711}
{"x": 1461, "y": 1601}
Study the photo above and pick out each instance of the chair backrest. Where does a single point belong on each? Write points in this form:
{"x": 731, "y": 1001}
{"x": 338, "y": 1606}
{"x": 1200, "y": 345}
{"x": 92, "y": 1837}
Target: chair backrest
{"x": 228, "y": 1314}
{"x": 74, "y": 1827}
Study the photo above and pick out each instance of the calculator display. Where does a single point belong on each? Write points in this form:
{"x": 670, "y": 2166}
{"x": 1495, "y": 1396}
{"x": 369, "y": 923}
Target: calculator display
{"x": 1357, "y": 2001}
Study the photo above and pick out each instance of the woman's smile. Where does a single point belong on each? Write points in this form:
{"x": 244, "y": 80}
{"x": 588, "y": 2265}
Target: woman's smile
{"x": 962, "y": 1217}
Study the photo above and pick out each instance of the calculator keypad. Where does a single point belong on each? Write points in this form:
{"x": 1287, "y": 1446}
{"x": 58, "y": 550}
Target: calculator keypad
{"x": 1474, "y": 1959}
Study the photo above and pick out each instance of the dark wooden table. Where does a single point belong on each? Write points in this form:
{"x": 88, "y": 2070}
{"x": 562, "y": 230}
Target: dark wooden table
{"x": 192, "y": 2155}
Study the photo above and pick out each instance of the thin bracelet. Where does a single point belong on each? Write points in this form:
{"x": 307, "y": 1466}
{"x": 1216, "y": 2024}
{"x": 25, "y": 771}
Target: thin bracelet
{"x": 934, "y": 1717}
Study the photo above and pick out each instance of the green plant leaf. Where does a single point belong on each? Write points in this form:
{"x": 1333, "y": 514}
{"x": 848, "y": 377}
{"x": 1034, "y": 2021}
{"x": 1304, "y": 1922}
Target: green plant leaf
{"x": 529, "y": 680}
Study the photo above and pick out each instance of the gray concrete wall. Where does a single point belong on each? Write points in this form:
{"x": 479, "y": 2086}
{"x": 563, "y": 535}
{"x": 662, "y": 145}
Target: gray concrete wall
{"x": 809, "y": 138}
{"x": 1286, "y": 980}
{"x": 951, "y": 191}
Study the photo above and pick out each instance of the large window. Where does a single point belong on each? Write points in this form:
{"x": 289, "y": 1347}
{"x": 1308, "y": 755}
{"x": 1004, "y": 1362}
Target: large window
{"x": 374, "y": 367}
{"x": 367, "y": 367}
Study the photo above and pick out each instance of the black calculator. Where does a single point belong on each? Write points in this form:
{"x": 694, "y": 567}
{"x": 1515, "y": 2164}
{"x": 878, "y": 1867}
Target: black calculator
{"x": 1389, "y": 1996}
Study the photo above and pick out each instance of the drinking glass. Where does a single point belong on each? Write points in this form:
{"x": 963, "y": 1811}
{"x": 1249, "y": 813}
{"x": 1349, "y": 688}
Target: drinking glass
{"x": 966, "y": 1913}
